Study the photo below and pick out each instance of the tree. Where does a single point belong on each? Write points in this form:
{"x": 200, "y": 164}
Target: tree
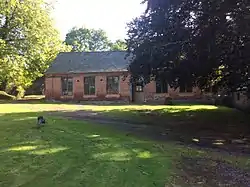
{"x": 118, "y": 45}
{"x": 28, "y": 42}
{"x": 83, "y": 39}
{"x": 205, "y": 42}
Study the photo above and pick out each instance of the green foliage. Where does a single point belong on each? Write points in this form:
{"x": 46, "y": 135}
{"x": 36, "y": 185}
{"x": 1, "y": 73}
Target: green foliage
{"x": 5, "y": 96}
{"x": 83, "y": 39}
{"x": 118, "y": 45}
{"x": 28, "y": 42}
{"x": 204, "y": 42}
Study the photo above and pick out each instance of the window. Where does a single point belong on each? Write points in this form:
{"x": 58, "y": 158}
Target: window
{"x": 161, "y": 86}
{"x": 186, "y": 87}
{"x": 67, "y": 86}
{"x": 113, "y": 85}
{"x": 139, "y": 88}
{"x": 89, "y": 85}
{"x": 139, "y": 84}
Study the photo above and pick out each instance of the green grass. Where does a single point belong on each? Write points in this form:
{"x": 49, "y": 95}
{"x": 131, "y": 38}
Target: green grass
{"x": 75, "y": 153}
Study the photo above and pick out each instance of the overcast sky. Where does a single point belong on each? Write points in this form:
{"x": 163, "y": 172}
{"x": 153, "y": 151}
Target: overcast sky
{"x": 109, "y": 15}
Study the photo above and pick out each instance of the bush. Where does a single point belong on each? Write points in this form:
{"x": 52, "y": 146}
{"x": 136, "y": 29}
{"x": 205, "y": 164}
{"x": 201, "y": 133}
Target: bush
{"x": 5, "y": 96}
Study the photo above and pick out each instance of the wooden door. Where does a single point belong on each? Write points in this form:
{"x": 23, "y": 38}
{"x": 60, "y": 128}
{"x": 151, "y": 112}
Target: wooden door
{"x": 139, "y": 95}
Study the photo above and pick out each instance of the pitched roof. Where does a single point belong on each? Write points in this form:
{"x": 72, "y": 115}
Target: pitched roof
{"x": 89, "y": 62}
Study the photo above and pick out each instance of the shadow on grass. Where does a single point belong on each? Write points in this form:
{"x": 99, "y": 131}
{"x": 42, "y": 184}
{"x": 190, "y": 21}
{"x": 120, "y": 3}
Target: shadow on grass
{"x": 211, "y": 127}
{"x": 190, "y": 113}
{"x": 189, "y": 118}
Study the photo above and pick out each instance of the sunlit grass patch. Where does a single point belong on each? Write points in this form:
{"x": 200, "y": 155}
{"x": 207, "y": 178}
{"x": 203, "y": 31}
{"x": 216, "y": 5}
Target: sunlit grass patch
{"x": 22, "y": 148}
{"x": 149, "y": 107}
{"x": 15, "y": 108}
{"x": 46, "y": 151}
{"x": 144, "y": 154}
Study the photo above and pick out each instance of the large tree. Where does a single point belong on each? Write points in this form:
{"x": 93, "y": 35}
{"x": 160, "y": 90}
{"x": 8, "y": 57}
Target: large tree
{"x": 28, "y": 42}
{"x": 205, "y": 42}
{"x": 84, "y": 39}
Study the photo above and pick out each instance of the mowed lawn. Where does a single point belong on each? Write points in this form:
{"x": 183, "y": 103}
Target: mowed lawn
{"x": 76, "y": 153}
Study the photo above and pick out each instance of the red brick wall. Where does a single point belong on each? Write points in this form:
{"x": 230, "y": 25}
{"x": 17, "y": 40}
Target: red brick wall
{"x": 48, "y": 87}
{"x": 125, "y": 87}
{"x": 101, "y": 83}
{"x": 78, "y": 86}
{"x": 149, "y": 91}
{"x": 57, "y": 87}
{"x": 53, "y": 87}
{"x": 152, "y": 96}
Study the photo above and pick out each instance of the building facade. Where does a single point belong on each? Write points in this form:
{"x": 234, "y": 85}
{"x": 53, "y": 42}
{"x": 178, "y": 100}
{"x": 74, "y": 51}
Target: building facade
{"x": 87, "y": 86}
{"x": 104, "y": 76}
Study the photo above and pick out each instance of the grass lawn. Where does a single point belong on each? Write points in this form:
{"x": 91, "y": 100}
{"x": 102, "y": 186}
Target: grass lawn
{"x": 140, "y": 112}
{"x": 76, "y": 153}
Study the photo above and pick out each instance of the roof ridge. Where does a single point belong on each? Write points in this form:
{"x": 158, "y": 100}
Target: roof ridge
{"x": 112, "y": 51}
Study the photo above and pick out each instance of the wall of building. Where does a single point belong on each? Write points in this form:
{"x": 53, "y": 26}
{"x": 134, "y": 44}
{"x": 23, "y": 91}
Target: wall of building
{"x": 151, "y": 95}
{"x": 53, "y": 87}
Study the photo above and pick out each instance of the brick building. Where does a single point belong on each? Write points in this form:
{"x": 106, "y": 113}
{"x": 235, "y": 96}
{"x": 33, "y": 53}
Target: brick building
{"x": 104, "y": 76}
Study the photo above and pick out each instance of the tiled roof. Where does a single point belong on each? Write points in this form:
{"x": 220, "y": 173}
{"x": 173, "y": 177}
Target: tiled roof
{"x": 82, "y": 62}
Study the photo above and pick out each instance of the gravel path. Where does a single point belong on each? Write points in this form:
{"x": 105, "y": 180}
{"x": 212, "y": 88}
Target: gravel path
{"x": 205, "y": 172}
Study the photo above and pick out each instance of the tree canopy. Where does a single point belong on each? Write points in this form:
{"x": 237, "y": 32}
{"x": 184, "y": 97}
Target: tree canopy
{"x": 118, "y": 45}
{"x": 84, "y": 39}
{"x": 28, "y": 42}
{"x": 205, "y": 42}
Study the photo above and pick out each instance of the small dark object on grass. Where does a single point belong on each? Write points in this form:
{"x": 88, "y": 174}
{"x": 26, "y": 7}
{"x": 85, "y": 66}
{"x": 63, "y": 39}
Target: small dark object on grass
{"x": 40, "y": 121}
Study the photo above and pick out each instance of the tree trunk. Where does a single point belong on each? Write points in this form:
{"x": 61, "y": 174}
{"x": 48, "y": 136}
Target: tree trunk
{"x": 14, "y": 91}
{"x": 3, "y": 85}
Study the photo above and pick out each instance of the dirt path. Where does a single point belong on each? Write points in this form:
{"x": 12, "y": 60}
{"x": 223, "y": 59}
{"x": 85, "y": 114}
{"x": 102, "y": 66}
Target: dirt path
{"x": 195, "y": 172}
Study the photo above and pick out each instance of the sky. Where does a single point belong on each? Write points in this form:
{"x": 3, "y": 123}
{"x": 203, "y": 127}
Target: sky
{"x": 109, "y": 15}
